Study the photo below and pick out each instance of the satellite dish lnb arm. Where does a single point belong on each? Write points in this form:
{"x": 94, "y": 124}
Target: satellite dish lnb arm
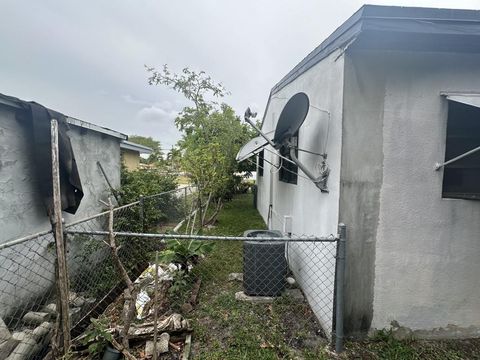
{"x": 248, "y": 114}
{"x": 318, "y": 181}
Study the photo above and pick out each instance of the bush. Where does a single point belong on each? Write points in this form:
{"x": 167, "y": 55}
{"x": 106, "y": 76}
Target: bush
{"x": 144, "y": 183}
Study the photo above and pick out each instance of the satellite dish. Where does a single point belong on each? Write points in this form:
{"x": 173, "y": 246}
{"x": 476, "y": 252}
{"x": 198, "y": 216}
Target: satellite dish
{"x": 291, "y": 118}
{"x": 251, "y": 148}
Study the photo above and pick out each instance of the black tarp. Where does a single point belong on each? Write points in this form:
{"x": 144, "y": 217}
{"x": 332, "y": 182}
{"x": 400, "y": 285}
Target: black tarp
{"x": 37, "y": 120}
{"x": 70, "y": 184}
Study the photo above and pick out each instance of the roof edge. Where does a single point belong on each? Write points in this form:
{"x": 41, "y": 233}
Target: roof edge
{"x": 125, "y": 144}
{"x": 15, "y": 103}
{"x": 349, "y": 30}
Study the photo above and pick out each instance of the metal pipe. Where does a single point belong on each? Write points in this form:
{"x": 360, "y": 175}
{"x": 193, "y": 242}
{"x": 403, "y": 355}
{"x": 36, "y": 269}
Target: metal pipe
{"x": 279, "y": 155}
{"x": 166, "y": 192}
{"x": 247, "y": 119}
{"x": 339, "y": 286}
{"x": 438, "y": 166}
{"x": 24, "y": 239}
{"x": 100, "y": 214}
{"x": 206, "y": 237}
{"x": 307, "y": 172}
{"x": 112, "y": 190}
{"x": 142, "y": 213}
{"x": 121, "y": 207}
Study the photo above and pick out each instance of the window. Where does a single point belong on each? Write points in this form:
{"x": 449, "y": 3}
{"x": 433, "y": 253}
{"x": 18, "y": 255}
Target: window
{"x": 288, "y": 172}
{"x": 261, "y": 154}
{"x": 461, "y": 179}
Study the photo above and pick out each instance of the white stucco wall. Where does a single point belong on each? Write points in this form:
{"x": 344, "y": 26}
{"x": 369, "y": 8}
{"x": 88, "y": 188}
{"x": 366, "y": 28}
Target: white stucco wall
{"x": 21, "y": 208}
{"x": 427, "y": 269}
{"x": 313, "y": 212}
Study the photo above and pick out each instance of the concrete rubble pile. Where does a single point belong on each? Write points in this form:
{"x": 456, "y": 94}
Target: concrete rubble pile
{"x": 36, "y": 329}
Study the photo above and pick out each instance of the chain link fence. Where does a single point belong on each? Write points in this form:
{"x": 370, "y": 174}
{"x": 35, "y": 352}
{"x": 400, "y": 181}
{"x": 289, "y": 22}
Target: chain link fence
{"x": 27, "y": 272}
{"x": 282, "y": 289}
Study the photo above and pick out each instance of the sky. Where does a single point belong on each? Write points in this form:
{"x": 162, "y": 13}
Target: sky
{"x": 86, "y": 58}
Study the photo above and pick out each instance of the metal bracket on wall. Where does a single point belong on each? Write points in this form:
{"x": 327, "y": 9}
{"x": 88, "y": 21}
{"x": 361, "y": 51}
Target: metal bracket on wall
{"x": 438, "y": 166}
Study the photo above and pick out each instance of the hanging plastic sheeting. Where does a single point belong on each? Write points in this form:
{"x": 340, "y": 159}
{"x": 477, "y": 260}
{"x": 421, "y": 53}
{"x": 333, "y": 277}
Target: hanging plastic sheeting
{"x": 37, "y": 118}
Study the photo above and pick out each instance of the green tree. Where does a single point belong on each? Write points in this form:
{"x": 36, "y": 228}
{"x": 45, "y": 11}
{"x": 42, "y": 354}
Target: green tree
{"x": 157, "y": 155}
{"x": 212, "y": 134}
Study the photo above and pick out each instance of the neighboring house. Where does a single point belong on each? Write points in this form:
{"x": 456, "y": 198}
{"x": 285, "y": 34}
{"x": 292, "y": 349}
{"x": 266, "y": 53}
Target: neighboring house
{"x": 131, "y": 154}
{"x": 22, "y": 211}
{"x": 393, "y": 91}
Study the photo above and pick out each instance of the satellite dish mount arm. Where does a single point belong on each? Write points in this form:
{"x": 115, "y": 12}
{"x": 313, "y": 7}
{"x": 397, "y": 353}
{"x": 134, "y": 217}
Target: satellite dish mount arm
{"x": 321, "y": 181}
{"x": 248, "y": 115}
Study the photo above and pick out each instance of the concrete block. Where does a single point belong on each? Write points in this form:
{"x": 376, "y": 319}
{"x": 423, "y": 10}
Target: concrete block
{"x": 296, "y": 294}
{"x": 50, "y": 308}
{"x": 235, "y": 277}
{"x": 7, "y": 342}
{"x": 75, "y": 314}
{"x": 26, "y": 348}
{"x": 42, "y": 331}
{"x": 162, "y": 345}
{"x": 36, "y": 317}
{"x": 241, "y": 296}
{"x": 79, "y": 301}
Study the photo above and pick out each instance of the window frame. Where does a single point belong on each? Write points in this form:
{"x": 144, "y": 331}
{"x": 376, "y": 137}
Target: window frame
{"x": 460, "y": 177}
{"x": 288, "y": 172}
{"x": 261, "y": 163}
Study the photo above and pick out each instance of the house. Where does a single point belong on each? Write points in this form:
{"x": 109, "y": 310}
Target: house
{"x": 130, "y": 152}
{"x": 392, "y": 92}
{"x": 96, "y": 152}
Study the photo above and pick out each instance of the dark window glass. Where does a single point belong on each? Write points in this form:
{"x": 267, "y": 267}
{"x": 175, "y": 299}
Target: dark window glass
{"x": 461, "y": 179}
{"x": 288, "y": 172}
{"x": 260, "y": 163}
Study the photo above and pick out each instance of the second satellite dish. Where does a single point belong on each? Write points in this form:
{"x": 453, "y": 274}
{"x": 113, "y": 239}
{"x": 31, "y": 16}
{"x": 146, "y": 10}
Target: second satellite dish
{"x": 291, "y": 118}
{"x": 251, "y": 148}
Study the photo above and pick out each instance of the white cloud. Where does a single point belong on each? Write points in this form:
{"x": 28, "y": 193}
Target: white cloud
{"x": 159, "y": 123}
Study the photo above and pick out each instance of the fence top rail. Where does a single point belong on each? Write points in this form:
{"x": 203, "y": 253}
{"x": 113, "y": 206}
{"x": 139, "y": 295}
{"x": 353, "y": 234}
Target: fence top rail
{"x": 100, "y": 214}
{"x": 167, "y": 192}
{"x": 124, "y": 206}
{"x": 104, "y": 213}
{"x": 24, "y": 239}
{"x": 330, "y": 238}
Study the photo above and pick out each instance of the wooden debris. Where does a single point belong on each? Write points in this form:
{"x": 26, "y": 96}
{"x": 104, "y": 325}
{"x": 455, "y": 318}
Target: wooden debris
{"x": 195, "y": 291}
{"x": 174, "y": 346}
{"x": 187, "y": 348}
{"x": 189, "y": 306}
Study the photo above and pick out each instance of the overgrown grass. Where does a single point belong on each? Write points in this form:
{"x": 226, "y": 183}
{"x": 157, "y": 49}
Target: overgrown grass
{"x": 225, "y": 328}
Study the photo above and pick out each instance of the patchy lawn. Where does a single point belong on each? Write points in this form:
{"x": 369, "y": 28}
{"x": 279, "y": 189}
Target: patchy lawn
{"x": 225, "y": 328}
{"x": 384, "y": 346}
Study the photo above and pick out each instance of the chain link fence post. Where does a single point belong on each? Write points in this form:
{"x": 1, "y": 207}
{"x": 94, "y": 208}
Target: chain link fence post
{"x": 185, "y": 203}
{"x": 142, "y": 212}
{"x": 340, "y": 283}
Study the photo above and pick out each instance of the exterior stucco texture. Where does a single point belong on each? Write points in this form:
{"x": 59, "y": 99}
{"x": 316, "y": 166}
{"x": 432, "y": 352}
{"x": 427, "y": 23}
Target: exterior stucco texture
{"x": 412, "y": 256}
{"x": 427, "y": 248}
{"x": 312, "y": 212}
{"x": 22, "y": 212}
